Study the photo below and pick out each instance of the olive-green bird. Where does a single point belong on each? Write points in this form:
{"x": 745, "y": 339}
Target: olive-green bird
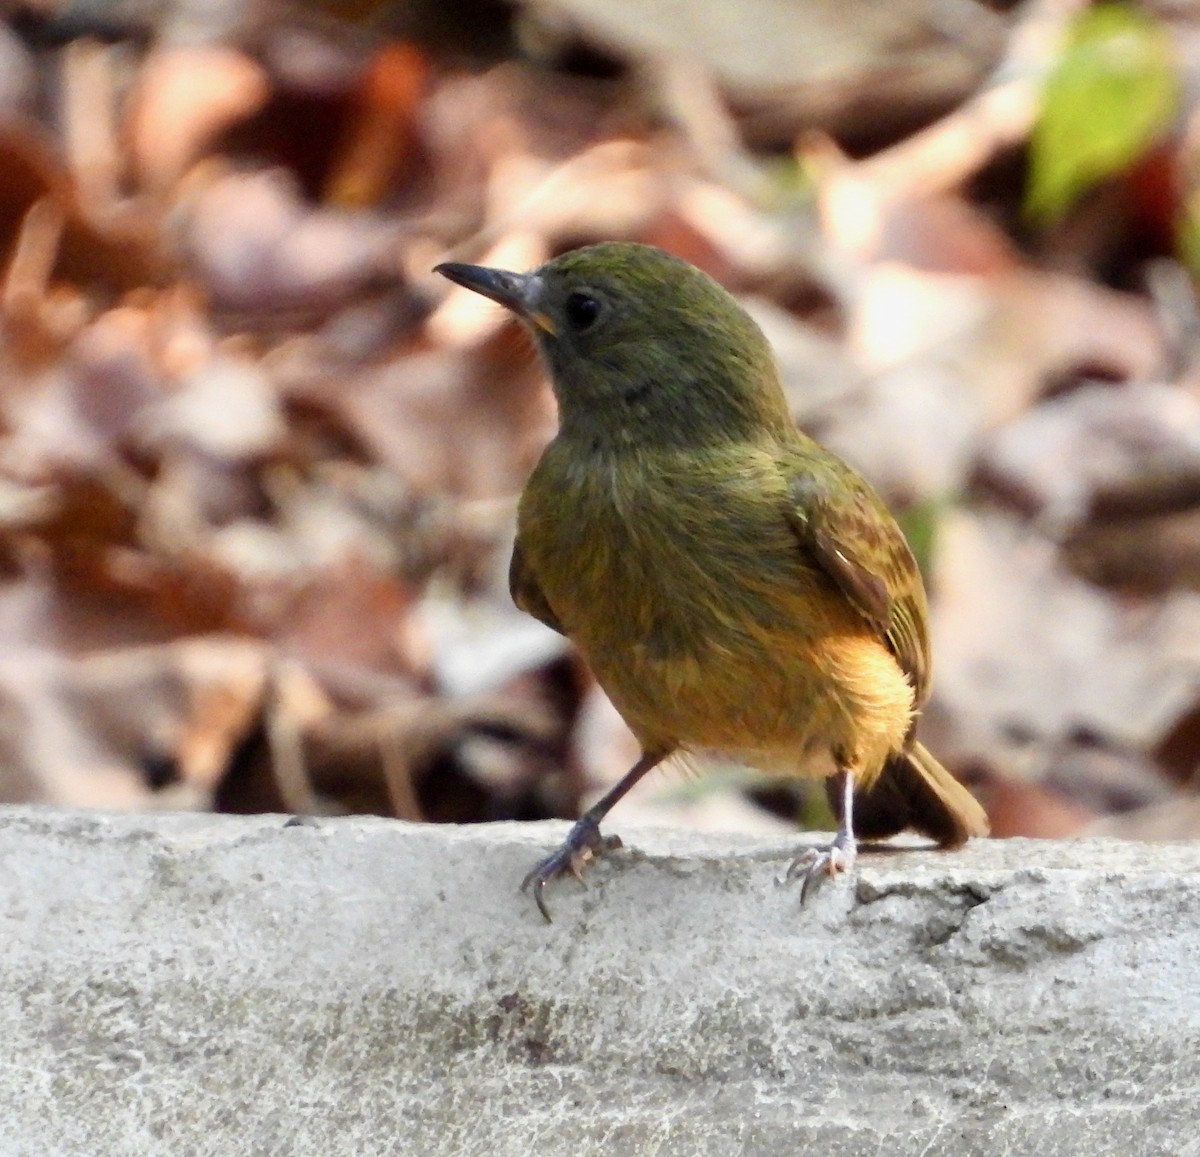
{"x": 734, "y": 586}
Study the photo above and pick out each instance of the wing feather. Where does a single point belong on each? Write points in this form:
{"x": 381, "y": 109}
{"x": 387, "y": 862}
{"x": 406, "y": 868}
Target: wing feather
{"x": 526, "y": 592}
{"x": 851, "y": 535}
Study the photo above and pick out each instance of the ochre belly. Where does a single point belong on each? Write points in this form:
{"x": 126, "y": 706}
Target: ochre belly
{"x": 704, "y": 622}
{"x": 796, "y": 706}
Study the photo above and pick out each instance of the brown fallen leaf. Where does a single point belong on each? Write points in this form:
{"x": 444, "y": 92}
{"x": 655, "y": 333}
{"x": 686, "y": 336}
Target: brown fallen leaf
{"x": 1178, "y": 819}
{"x": 268, "y": 258}
{"x": 448, "y": 761}
{"x": 113, "y": 727}
{"x": 184, "y": 96}
{"x": 1098, "y": 452}
{"x": 466, "y": 422}
{"x": 1151, "y": 555}
{"x": 1017, "y": 808}
{"x": 377, "y": 153}
{"x": 1027, "y": 652}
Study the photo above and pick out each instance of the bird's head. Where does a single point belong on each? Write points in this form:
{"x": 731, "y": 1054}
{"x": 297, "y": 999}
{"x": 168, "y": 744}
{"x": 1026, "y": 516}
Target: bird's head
{"x": 643, "y": 348}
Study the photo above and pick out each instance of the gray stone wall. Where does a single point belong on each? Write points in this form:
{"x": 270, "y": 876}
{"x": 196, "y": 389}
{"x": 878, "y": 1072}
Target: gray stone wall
{"x": 201, "y": 985}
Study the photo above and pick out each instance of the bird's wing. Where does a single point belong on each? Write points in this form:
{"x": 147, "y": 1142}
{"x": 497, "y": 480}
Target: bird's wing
{"x": 526, "y": 593}
{"x": 844, "y": 526}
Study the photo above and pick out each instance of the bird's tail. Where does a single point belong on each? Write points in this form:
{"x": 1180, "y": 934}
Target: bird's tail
{"x": 915, "y": 791}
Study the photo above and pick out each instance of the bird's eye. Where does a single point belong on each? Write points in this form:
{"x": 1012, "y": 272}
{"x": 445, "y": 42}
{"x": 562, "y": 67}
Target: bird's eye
{"x": 581, "y": 311}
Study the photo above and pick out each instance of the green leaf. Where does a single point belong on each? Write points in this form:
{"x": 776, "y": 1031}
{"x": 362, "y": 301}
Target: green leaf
{"x": 1187, "y": 238}
{"x": 1112, "y": 92}
{"x": 919, "y": 523}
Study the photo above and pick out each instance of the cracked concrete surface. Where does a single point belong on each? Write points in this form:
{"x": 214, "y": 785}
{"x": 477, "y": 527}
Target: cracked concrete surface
{"x": 205, "y": 985}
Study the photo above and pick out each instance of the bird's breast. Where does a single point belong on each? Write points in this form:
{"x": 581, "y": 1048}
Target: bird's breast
{"x": 674, "y": 553}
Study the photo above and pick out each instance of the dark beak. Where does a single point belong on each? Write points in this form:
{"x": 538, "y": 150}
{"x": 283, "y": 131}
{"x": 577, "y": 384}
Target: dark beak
{"x": 520, "y": 292}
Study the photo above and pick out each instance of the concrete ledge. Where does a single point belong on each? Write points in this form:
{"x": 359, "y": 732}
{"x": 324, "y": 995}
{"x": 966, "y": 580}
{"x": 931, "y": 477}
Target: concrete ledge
{"x": 202, "y": 985}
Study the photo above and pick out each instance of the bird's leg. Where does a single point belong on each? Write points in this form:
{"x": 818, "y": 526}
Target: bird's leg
{"x": 584, "y": 841}
{"x": 838, "y": 857}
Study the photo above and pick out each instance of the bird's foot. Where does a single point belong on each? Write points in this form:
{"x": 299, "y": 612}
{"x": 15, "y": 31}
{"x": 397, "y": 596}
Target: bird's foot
{"x": 583, "y": 844}
{"x": 817, "y": 863}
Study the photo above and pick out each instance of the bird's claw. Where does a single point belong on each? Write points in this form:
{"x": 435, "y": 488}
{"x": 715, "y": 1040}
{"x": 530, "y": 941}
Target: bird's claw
{"x": 816, "y": 864}
{"x": 583, "y": 844}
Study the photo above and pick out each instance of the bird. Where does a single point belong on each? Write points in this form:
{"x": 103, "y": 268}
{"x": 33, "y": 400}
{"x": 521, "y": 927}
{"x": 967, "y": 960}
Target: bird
{"x": 734, "y": 586}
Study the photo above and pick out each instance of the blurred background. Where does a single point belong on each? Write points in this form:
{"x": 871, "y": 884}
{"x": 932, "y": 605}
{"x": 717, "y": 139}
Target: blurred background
{"x": 258, "y": 466}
